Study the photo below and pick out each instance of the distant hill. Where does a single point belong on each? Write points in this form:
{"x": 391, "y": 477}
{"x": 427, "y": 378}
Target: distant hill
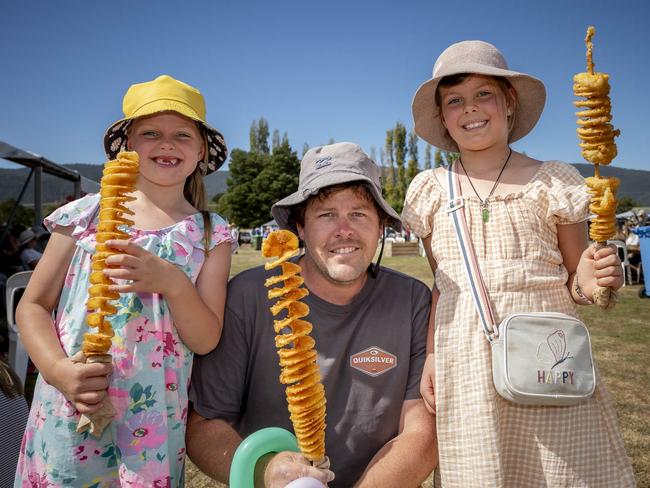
{"x": 634, "y": 183}
{"x": 56, "y": 189}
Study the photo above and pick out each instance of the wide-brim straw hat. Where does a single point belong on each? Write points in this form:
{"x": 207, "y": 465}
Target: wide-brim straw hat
{"x": 481, "y": 58}
{"x": 166, "y": 94}
{"x": 331, "y": 165}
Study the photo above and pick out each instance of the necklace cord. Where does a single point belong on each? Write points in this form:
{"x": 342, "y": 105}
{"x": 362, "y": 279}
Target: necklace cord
{"x": 484, "y": 202}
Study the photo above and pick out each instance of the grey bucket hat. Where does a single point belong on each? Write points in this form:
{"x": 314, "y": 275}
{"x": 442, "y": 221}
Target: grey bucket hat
{"x": 482, "y": 58}
{"x": 26, "y": 236}
{"x": 330, "y": 165}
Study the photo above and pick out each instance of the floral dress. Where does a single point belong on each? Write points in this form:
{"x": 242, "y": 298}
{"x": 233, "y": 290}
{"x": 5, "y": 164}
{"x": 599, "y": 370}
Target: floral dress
{"x": 144, "y": 446}
{"x": 484, "y": 440}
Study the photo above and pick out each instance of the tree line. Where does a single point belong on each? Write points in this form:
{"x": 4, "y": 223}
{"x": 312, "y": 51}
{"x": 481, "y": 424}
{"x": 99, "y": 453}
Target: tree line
{"x": 400, "y": 163}
{"x": 267, "y": 172}
{"x": 258, "y": 177}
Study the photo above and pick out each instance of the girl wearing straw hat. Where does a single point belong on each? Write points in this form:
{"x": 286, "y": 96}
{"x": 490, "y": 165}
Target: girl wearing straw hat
{"x": 172, "y": 277}
{"x": 527, "y": 223}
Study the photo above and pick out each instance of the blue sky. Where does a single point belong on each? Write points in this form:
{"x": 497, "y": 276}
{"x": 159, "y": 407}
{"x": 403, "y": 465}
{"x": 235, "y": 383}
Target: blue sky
{"x": 345, "y": 70}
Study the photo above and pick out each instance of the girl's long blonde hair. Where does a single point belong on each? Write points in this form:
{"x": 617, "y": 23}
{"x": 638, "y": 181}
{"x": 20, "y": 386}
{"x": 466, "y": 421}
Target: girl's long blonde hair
{"x": 194, "y": 192}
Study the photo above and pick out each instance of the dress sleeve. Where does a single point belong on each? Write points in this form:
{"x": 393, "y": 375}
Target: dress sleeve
{"x": 80, "y": 213}
{"x": 219, "y": 377}
{"x": 422, "y": 201}
{"x": 220, "y": 232}
{"x": 421, "y": 307}
{"x": 568, "y": 198}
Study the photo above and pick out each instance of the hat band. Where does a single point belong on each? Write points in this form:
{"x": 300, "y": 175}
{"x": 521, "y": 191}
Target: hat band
{"x": 311, "y": 187}
{"x": 170, "y": 104}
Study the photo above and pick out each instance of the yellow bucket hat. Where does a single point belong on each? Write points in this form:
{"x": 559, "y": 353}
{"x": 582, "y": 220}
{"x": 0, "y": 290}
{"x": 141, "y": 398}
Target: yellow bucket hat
{"x": 162, "y": 95}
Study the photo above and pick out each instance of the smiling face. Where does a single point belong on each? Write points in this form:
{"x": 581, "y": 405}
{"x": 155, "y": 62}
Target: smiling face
{"x": 475, "y": 112}
{"x": 340, "y": 233}
{"x": 169, "y": 145}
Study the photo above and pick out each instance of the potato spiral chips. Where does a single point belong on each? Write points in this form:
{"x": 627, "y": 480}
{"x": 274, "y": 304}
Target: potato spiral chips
{"x": 597, "y": 142}
{"x": 603, "y": 205}
{"x": 118, "y": 180}
{"x": 595, "y": 131}
{"x": 305, "y": 392}
{"x": 597, "y": 134}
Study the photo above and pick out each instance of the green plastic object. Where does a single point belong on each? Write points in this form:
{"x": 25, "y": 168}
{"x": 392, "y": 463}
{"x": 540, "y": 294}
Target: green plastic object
{"x": 256, "y": 445}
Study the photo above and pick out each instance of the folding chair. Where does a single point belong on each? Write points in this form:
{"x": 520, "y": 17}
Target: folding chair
{"x": 621, "y": 250}
{"x": 18, "y": 358}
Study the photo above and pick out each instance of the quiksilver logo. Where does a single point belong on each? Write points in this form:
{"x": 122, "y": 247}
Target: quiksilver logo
{"x": 373, "y": 361}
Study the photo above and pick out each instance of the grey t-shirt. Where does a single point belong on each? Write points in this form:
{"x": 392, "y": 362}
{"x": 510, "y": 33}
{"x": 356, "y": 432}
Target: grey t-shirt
{"x": 370, "y": 353}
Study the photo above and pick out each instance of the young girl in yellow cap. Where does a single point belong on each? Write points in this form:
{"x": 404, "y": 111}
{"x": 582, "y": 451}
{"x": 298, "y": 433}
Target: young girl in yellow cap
{"x": 526, "y": 220}
{"x": 172, "y": 277}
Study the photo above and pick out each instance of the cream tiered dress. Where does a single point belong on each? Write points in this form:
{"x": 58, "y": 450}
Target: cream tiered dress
{"x": 484, "y": 440}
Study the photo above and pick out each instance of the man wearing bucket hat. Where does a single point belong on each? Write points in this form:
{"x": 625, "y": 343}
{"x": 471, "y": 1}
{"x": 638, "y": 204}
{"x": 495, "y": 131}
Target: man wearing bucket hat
{"x": 29, "y": 256}
{"x": 369, "y": 325}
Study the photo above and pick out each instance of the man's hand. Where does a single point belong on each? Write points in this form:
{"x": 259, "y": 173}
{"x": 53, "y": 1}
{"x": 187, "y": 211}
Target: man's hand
{"x": 287, "y": 466}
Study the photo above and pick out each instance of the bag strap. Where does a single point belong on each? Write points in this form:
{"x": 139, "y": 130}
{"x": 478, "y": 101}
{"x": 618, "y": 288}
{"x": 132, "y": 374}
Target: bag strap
{"x": 456, "y": 210}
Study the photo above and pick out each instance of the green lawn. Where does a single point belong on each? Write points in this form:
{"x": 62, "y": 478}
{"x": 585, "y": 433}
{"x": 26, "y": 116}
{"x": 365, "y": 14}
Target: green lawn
{"x": 621, "y": 343}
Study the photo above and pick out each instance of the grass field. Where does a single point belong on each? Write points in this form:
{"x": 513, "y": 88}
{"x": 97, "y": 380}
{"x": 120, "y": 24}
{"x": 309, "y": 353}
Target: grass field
{"x": 621, "y": 343}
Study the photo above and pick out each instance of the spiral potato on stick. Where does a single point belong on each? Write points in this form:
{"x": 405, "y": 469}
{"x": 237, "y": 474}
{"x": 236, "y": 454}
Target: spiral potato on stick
{"x": 119, "y": 178}
{"x": 597, "y": 134}
{"x": 595, "y": 131}
{"x": 603, "y": 205}
{"x": 304, "y": 391}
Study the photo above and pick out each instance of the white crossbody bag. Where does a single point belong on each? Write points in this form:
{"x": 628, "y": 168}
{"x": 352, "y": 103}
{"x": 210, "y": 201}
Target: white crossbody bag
{"x": 538, "y": 358}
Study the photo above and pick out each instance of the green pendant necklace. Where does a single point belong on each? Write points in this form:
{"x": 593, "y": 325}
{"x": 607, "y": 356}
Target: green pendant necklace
{"x": 485, "y": 211}
{"x": 485, "y": 203}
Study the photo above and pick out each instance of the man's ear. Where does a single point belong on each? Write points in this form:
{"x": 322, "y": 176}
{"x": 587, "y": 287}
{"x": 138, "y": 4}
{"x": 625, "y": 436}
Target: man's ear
{"x": 301, "y": 231}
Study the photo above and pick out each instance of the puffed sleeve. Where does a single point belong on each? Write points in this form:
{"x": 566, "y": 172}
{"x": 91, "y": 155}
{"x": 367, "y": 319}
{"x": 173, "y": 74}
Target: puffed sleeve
{"x": 568, "y": 200}
{"x": 422, "y": 201}
{"x": 220, "y": 232}
{"x": 186, "y": 240}
{"x": 78, "y": 213}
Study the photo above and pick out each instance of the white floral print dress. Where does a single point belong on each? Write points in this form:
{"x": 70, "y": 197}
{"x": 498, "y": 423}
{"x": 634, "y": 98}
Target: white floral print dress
{"x": 144, "y": 446}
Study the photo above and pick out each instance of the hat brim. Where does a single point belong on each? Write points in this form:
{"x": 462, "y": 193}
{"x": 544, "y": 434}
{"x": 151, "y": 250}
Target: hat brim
{"x": 531, "y": 98}
{"x": 282, "y": 210}
{"x": 115, "y": 138}
{"x": 27, "y": 239}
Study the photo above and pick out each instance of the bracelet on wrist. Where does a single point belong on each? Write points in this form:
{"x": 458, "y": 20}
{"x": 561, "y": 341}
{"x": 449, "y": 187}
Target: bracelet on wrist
{"x": 580, "y": 293}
